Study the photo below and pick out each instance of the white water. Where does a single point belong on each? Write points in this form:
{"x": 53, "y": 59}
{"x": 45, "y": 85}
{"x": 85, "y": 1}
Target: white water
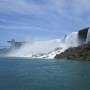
{"x": 46, "y": 49}
{"x": 88, "y": 36}
{"x": 72, "y": 40}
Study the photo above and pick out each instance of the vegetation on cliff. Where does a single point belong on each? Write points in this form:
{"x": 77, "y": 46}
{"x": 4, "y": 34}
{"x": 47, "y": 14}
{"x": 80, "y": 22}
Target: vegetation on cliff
{"x": 80, "y": 53}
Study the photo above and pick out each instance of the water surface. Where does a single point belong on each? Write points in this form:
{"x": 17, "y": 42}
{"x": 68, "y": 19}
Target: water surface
{"x": 39, "y": 74}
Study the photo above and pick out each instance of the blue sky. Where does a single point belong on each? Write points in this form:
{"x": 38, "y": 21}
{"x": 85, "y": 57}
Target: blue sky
{"x": 40, "y": 19}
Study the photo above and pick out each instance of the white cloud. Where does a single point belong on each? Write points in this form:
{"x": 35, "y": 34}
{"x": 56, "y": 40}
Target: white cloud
{"x": 25, "y": 28}
{"x": 20, "y": 6}
{"x": 79, "y": 7}
{"x": 75, "y": 7}
{"x": 72, "y": 9}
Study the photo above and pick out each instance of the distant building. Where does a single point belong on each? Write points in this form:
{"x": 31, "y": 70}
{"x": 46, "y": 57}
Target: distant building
{"x": 14, "y": 44}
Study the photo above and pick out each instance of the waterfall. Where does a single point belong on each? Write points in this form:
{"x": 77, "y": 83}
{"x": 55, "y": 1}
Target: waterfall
{"x": 49, "y": 48}
{"x": 82, "y": 35}
{"x": 88, "y": 36}
{"x": 37, "y": 48}
{"x": 72, "y": 40}
{"x": 46, "y": 49}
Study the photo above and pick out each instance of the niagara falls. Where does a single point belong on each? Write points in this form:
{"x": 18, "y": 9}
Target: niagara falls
{"x": 44, "y": 44}
{"x": 48, "y": 49}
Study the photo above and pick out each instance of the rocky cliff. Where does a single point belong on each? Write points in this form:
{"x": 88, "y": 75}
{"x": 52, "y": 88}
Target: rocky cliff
{"x": 78, "y": 53}
{"x": 82, "y": 52}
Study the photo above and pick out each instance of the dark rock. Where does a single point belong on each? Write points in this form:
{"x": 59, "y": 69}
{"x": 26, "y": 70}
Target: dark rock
{"x": 82, "y": 34}
{"x": 80, "y": 53}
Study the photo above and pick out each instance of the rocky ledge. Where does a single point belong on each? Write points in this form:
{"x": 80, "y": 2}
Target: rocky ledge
{"x": 77, "y": 53}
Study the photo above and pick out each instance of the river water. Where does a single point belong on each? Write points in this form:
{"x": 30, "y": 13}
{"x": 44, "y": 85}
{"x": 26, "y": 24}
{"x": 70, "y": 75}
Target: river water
{"x": 44, "y": 74}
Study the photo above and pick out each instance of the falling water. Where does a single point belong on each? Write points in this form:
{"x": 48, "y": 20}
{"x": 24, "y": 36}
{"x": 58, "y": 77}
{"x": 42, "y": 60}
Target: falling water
{"x": 37, "y": 48}
{"x": 88, "y": 36}
{"x": 72, "y": 40}
{"x": 49, "y": 48}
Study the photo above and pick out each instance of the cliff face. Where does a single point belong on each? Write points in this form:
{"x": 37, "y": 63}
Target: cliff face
{"x": 80, "y": 53}
{"x": 82, "y": 35}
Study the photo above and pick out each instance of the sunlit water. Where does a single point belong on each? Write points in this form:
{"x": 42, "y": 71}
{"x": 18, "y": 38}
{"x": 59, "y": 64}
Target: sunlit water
{"x": 39, "y": 74}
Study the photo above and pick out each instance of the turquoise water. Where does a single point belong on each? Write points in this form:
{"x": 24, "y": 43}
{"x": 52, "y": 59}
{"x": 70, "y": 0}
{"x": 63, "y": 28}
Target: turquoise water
{"x": 35, "y": 74}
